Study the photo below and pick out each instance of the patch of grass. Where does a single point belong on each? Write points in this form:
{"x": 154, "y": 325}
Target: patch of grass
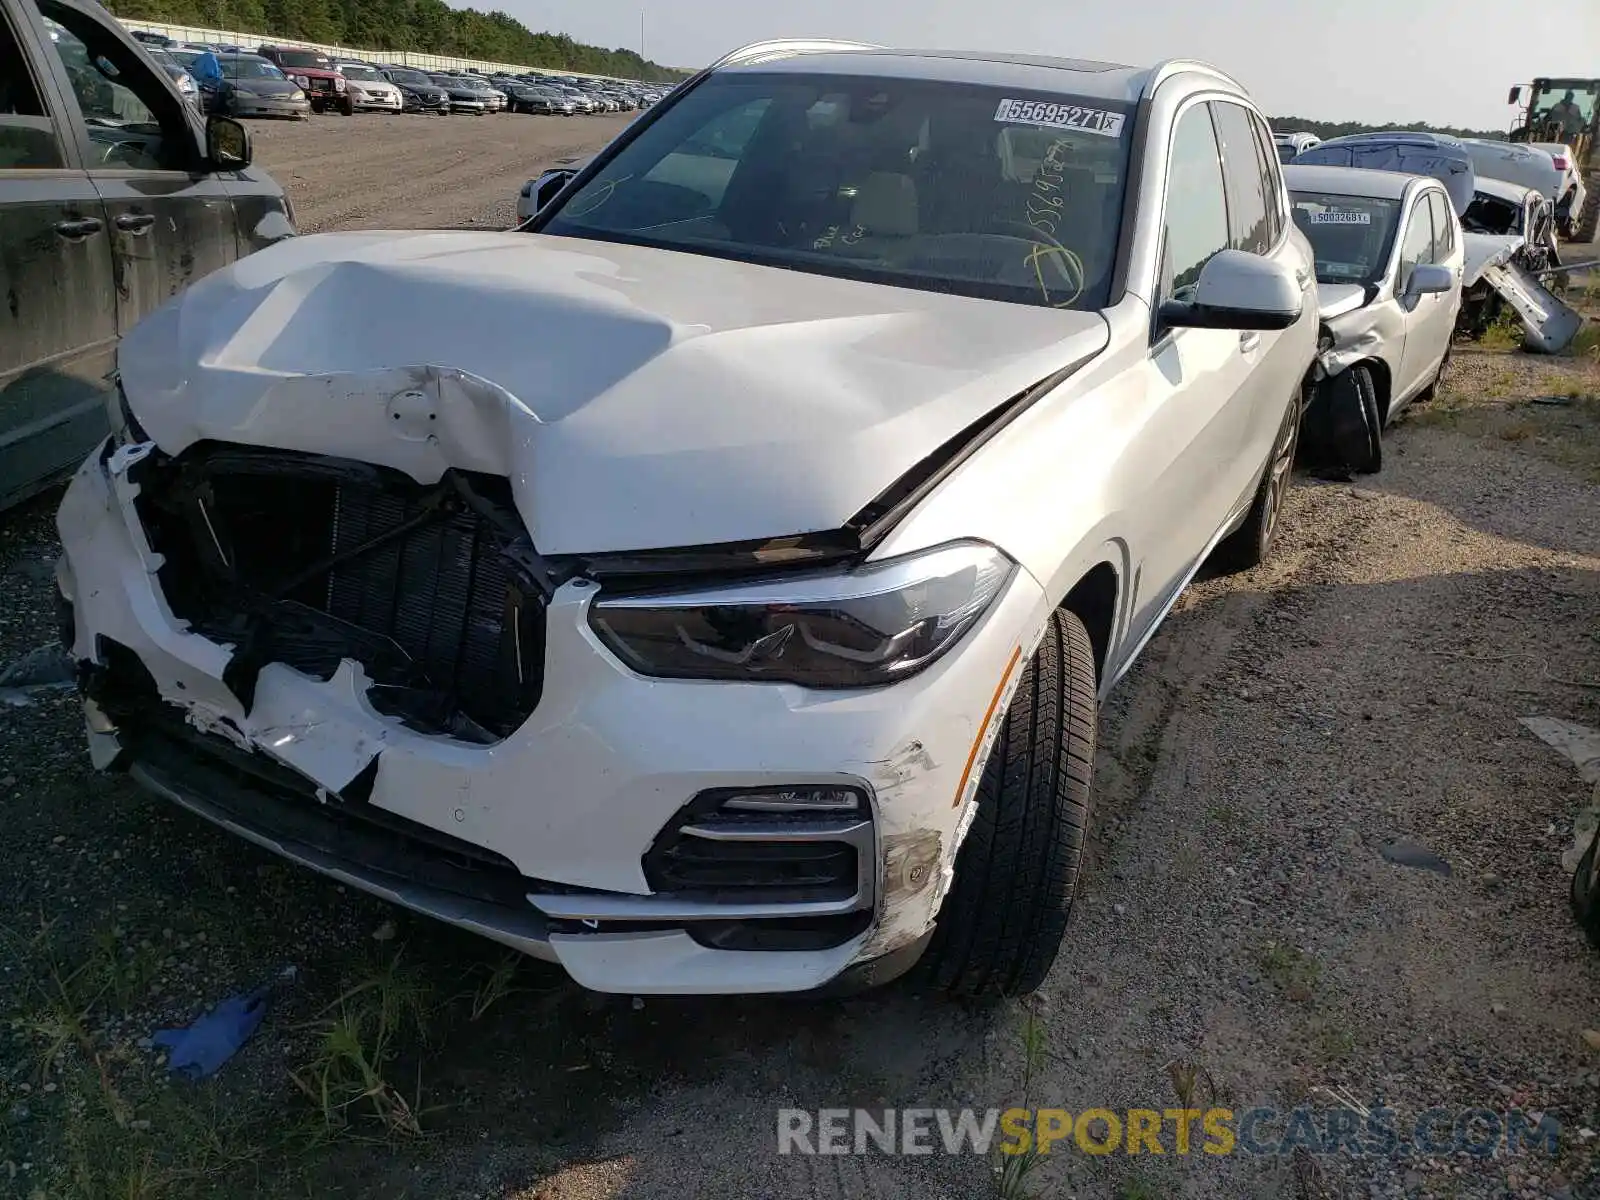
{"x": 1503, "y": 335}
{"x": 1011, "y": 1173}
{"x": 1290, "y": 970}
{"x": 359, "y": 1036}
{"x": 1138, "y": 1188}
{"x": 1334, "y": 1041}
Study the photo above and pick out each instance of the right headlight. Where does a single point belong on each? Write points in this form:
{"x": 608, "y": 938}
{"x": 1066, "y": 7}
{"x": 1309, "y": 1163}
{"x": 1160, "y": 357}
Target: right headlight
{"x": 861, "y": 628}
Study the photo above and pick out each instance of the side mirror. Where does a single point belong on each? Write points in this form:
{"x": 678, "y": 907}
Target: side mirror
{"x": 544, "y": 189}
{"x": 1429, "y": 279}
{"x": 227, "y": 144}
{"x": 1514, "y": 95}
{"x": 1238, "y": 290}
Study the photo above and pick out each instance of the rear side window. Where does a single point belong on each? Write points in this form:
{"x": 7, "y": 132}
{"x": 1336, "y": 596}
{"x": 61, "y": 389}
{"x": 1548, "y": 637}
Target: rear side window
{"x": 1249, "y": 227}
{"x": 1271, "y": 179}
{"x": 1444, "y": 226}
{"x": 1196, "y": 211}
{"x": 27, "y": 135}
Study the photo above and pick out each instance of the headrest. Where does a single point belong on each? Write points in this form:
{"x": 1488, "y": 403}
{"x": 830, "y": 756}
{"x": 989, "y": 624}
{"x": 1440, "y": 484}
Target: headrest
{"x": 886, "y": 205}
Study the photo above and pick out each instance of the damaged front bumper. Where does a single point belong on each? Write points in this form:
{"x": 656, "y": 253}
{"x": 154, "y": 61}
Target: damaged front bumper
{"x": 543, "y": 795}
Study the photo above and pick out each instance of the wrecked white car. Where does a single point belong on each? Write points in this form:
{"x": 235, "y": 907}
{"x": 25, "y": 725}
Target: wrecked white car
{"x": 1389, "y": 268}
{"x": 711, "y": 589}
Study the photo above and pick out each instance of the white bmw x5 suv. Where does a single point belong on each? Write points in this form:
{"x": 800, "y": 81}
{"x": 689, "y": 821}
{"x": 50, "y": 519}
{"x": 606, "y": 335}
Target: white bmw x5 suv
{"x": 710, "y": 588}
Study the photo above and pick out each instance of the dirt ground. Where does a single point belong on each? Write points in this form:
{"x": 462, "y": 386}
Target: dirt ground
{"x": 407, "y": 171}
{"x": 1243, "y": 937}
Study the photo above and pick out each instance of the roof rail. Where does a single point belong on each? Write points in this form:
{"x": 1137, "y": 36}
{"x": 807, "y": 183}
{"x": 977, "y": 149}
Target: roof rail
{"x": 1173, "y": 66}
{"x": 757, "y": 52}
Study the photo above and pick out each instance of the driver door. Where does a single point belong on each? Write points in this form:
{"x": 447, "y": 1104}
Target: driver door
{"x": 171, "y": 221}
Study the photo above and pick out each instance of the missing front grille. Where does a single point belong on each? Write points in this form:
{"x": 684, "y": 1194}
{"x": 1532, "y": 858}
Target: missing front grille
{"x": 308, "y": 561}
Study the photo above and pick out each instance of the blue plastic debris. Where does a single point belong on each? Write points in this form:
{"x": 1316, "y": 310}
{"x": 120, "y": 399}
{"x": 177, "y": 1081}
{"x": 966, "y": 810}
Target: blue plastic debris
{"x": 203, "y": 1047}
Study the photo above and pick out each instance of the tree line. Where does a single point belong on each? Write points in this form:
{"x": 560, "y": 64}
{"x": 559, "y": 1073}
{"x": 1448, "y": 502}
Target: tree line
{"x": 1329, "y": 129}
{"x": 424, "y": 26}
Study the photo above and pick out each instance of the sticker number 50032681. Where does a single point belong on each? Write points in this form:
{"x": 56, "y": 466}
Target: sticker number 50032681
{"x": 1060, "y": 116}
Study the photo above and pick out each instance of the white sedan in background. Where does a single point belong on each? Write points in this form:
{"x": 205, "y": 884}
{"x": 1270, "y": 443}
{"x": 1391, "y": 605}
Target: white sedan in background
{"x": 1389, "y": 263}
{"x": 1569, "y": 203}
{"x": 369, "y": 89}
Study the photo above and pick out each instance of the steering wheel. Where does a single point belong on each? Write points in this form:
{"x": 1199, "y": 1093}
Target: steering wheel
{"x": 1049, "y": 252}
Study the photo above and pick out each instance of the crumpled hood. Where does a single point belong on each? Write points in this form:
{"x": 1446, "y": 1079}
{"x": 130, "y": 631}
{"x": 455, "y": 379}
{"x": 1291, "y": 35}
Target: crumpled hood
{"x": 1336, "y": 299}
{"x": 635, "y": 398}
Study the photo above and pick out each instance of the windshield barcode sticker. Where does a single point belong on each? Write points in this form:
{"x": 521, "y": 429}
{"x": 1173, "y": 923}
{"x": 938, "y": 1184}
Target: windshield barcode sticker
{"x": 1332, "y": 217}
{"x": 1049, "y": 115}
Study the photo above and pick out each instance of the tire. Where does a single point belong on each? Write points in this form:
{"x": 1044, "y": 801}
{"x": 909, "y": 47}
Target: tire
{"x": 347, "y": 109}
{"x": 1016, "y": 873}
{"x": 1588, "y": 224}
{"x": 1585, "y": 893}
{"x": 1351, "y": 424}
{"x": 1249, "y": 545}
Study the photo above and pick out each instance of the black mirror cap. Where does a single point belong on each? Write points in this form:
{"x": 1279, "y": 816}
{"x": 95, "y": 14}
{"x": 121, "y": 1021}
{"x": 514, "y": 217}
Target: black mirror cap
{"x": 1181, "y": 314}
{"x": 227, "y": 144}
{"x": 548, "y": 185}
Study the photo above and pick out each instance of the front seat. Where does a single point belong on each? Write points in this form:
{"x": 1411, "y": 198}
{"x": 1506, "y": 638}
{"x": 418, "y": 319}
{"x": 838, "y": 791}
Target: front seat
{"x": 885, "y": 213}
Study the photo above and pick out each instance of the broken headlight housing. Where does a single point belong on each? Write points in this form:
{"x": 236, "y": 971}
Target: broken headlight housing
{"x": 861, "y": 628}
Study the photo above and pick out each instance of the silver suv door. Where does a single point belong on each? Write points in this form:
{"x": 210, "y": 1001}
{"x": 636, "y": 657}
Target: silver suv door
{"x": 1258, "y": 223}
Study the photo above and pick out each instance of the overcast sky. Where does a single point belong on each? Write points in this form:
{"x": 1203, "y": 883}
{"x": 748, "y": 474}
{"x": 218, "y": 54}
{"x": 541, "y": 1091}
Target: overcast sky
{"x": 1447, "y": 62}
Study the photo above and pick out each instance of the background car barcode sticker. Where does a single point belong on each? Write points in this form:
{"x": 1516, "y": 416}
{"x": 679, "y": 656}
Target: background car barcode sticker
{"x": 1051, "y": 115}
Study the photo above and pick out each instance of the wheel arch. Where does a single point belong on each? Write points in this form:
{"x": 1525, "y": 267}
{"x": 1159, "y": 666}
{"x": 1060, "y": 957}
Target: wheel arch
{"x": 1095, "y": 600}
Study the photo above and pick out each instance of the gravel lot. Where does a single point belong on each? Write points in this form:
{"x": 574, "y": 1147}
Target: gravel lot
{"x": 1241, "y": 923}
{"x": 407, "y": 171}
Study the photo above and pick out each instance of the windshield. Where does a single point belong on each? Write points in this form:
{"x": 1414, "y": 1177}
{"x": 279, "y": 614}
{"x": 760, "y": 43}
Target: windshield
{"x": 249, "y": 68}
{"x": 351, "y": 71}
{"x": 940, "y": 186}
{"x": 1350, "y": 235}
{"x": 414, "y": 78}
{"x": 303, "y": 59}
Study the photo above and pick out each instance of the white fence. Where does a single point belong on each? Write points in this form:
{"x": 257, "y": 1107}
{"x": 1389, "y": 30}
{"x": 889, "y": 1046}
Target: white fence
{"x": 409, "y": 58}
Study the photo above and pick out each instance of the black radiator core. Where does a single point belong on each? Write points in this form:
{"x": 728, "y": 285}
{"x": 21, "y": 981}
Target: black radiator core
{"x": 310, "y": 562}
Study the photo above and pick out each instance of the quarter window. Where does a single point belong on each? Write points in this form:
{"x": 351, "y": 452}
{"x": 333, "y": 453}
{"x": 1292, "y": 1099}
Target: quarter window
{"x": 1248, "y": 224}
{"x": 1196, "y": 211}
{"x": 1271, "y": 180}
{"x": 27, "y": 135}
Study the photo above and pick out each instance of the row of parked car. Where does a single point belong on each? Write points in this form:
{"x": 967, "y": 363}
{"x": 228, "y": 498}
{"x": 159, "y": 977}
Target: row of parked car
{"x": 293, "y": 81}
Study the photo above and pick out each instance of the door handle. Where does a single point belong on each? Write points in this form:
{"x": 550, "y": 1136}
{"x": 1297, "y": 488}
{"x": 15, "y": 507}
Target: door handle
{"x": 134, "y": 222}
{"x": 79, "y": 228}
{"x": 1248, "y": 341}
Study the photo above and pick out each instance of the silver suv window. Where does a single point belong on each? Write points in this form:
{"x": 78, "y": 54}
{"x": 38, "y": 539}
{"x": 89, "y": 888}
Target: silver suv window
{"x": 929, "y": 184}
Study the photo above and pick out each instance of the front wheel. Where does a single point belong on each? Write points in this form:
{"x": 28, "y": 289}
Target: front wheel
{"x": 1016, "y": 873}
{"x": 1249, "y": 545}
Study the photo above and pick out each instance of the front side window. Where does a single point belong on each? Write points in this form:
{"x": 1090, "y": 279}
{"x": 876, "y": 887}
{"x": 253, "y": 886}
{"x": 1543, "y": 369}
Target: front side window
{"x": 130, "y": 118}
{"x": 927, "y": 184}
{"x": 1350, "y": 236}
{"x": 1417, "y": 248}
{"x": 1444, "y": 227}
{"x": 1196, "y": 209}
